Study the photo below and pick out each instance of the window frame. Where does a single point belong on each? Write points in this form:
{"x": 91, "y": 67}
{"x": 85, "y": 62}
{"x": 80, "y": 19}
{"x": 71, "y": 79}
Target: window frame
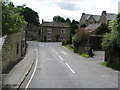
{"x": 49, "y": 30}
{"x": 63, "y": 31}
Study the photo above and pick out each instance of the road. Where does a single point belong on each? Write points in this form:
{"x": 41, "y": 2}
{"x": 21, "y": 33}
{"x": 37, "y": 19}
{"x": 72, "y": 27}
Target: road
{"x": 59, "y": 67}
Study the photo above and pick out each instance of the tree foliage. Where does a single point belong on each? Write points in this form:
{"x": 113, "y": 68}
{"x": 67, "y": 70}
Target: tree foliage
{"x": 68, "y": 20}
{"x": 111, "y": 44}
{"x": 29, "y": 15}
{"x": 83, "y": 25}
{"x": 11, "y": 20}
{"x": 58, "y": 19}
{"x": 111, "y": 41}
{"x": 73, "y": 27}
{"x": 81, "y": 37}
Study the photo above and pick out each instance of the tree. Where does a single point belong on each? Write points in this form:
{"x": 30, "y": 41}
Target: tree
{"x": 111, "y": 44}
{"x": 68, "y": 20}
{"x": 58, "y": 19}
{"x": 83, "y": 25}
{"x": 111, "y": 40}
{"x": 73, "y": 27}
{"x": 29, "y": 15}
{"x": 11, "y": 20}
{"x": 81, "y": 37}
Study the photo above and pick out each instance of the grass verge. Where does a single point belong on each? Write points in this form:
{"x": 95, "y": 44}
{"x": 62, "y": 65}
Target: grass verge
{"x": 82, "y": 54}
{"x": 69, "y": 47}
{"x": 85, "y": 55}
{"x": 104, "y": 63}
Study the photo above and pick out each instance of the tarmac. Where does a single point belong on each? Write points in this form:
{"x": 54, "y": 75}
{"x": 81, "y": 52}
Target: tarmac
{"x": 17, "y": 75}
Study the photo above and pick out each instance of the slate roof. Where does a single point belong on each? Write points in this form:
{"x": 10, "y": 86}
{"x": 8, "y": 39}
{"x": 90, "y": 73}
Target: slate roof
{"x": 87, "y": 16}
{"x": 55, "y": 24}
{"x": 111, "y": 16}
{"x": 92, "y": 27}
{"x": 96, "y": 17}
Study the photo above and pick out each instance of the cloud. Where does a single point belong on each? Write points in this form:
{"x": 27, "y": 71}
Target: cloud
{"x": 73, "y": 9}
{"x": 67, "y": 6}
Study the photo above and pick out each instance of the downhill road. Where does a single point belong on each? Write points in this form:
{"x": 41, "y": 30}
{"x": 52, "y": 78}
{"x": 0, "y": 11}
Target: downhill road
{"x": 59, "y": 67}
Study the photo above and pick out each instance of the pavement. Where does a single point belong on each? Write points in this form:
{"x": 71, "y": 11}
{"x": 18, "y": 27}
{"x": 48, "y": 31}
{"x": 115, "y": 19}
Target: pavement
{"x": 17, "y": 75}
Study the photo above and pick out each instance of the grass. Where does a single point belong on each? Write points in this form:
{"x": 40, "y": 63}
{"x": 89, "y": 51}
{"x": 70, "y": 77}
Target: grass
{"x": 69, "y": 47}
{"x": 82, "y": 54}
{"x": 104, "y": 63}
{"x": 85, "y": 55}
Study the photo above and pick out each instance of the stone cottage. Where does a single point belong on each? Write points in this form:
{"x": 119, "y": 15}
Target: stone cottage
{"x": 13, "y": 49}
{"x": 93, "y": 19}
{"x": 95, "y": 32}
{"x": 106, "y": 17}
{"x": 84, "y": 18}
{"x": 97, "y": 29}
{"x": 55, "y": 31}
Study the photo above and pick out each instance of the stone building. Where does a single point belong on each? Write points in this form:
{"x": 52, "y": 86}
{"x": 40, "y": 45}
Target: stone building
{"x": 32, "y": 32}
{"x": 106, "y": 17}
{"x": 97, "y": 29}
{"x": 13, "y": 49}
{"x": 84, "y": 18}
{"x": 88, "y": 19}
{"x": 93, "y": 19}
{"x": 55, "y": 31}
{"x": 96, "y": 32}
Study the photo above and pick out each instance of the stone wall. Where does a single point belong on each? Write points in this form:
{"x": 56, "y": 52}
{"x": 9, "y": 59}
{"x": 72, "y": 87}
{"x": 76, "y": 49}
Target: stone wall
{"x": 56, "y": 34}
{"x": 113, "y": 60}
{"x": 13, "y": 49}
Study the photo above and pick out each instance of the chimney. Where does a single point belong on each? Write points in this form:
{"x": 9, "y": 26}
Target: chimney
{"x": 104, "y": 12}
{"x": 83, "y": 13}
{"x": 42, "y": 20}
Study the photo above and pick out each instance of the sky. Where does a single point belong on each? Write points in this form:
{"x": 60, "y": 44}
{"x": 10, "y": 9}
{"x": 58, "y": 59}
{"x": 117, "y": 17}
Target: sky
{"x": 72, "y": 9}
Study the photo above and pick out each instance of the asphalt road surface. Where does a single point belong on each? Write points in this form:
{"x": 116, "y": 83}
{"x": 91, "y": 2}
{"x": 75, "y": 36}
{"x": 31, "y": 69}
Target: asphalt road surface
{"x": 59, "y": 67}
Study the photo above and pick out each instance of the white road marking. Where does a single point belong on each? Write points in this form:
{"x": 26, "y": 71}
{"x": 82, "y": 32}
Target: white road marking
{"x": 70, "y": 68}
{"x": 33, "y": 70}
{"x": 54, "y": 51}
{"x": 61, "y": 58}
{"x": 64, "y": 52}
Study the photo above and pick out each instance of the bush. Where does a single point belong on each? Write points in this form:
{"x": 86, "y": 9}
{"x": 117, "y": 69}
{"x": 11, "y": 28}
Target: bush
{"x": 80, "y": 38}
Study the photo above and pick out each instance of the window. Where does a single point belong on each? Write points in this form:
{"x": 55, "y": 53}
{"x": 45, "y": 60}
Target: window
{"x": 49, "y": 30}
{"x": 63, "y": 31}
{"x": 49, "y": 38}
